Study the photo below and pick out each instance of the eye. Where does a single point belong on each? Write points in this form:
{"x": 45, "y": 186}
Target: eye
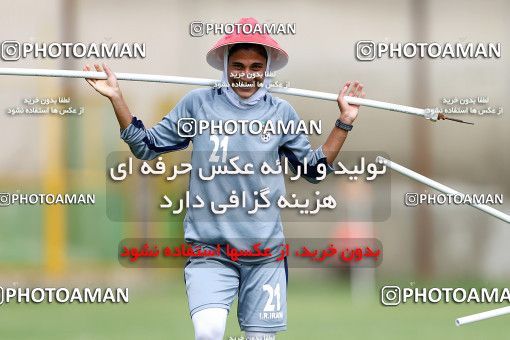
{"x": 237, "y": 66}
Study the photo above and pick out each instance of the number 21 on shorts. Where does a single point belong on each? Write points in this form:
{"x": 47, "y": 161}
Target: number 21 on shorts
{"x": 273, "y": 293}
{"x": 272, "y": 309}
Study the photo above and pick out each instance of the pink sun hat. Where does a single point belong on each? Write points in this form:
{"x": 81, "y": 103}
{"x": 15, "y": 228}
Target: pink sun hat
{"x": 279, "y": 57}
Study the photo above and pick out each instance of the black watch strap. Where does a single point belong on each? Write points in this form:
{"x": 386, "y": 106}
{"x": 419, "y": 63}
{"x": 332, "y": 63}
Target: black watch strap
{"x": 339, "y": 124}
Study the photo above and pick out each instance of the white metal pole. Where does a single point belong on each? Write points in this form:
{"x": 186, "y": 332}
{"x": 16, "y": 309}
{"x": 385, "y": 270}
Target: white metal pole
{"x": 482, "y": 316}
{"x": 428, "y": 114}
{"x": 440, "y": 187}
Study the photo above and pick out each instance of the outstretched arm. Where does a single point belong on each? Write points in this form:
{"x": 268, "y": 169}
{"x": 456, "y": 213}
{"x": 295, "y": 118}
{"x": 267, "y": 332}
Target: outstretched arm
{"x": 110, "y": 88}
{"x": 348, "y": 114}
{"x": 144, "y": 143}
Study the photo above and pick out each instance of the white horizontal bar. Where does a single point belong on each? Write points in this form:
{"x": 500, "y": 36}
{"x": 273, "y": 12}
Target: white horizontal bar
{"x": 351, "y": 100}
{"x": 440, "y": 187}
{"x": 482, "y": 316}
{"x": 211, "y": 82}
{"x": 101, "y": 75}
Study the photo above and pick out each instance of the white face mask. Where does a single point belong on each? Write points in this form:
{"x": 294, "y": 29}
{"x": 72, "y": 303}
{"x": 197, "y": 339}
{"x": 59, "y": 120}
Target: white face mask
{"x": 233, "y": 97}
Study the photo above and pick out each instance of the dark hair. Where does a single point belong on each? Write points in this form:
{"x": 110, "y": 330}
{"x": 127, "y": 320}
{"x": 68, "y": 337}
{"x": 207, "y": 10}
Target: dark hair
{"x": 246, "y": 46}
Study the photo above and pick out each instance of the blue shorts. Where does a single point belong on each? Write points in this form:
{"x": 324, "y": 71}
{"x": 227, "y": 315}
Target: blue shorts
{"x": 261, "y": 288}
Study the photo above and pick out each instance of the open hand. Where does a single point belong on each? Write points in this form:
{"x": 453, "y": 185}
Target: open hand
{"x": 349, "y": 112}
{"x": 107, "y": 87}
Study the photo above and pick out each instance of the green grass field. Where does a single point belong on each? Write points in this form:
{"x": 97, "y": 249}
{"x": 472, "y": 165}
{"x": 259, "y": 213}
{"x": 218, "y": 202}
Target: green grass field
{"x": 320, "y": 309}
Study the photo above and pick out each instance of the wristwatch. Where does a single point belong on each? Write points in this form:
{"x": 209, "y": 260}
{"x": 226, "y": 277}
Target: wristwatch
{"x": 346, "y": 127}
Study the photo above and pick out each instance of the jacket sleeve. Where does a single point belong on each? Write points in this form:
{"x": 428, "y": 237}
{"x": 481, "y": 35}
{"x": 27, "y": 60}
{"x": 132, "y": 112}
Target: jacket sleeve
{"x": 161, "y": 138}
{"x": 296, "y": 147}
